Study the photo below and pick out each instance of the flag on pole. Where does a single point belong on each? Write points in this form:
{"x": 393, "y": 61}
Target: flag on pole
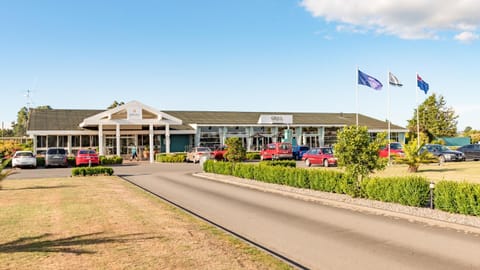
{"x": 369, "y": 81}
{"x": 393, "y": 80}
{"x": 422, "y": 84}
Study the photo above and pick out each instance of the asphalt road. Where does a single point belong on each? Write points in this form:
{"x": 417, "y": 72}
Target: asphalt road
{"x": 315, "y": 235}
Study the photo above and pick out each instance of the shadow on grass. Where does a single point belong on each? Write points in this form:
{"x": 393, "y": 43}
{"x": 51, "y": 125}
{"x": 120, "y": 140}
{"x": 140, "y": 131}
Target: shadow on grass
{"x": 42, "y": 187}
{"x": 74, "y": 244}
{"x": 441, "y": 169}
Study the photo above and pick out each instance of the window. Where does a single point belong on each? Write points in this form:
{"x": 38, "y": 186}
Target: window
{"x": 41, "y": 141}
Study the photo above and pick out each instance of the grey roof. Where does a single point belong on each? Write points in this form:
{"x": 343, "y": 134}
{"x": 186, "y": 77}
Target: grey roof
{"x": 43, "y": 119}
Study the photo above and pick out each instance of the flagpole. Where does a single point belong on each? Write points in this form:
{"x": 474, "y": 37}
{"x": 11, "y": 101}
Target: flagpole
{"x": 356, "y": 96}
{"x": 388, "y": 113}
{"x": 418, "y": 112}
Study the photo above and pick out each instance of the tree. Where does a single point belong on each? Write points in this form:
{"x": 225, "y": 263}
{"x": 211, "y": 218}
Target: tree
{"x": 235, "y": 150}
{"x": 357, "y": 153}
{"x": 20, "y": 127}
{"x": 115, "y": 104}
{"x": 472, "y": 133}
{"x": 435, "y": 118}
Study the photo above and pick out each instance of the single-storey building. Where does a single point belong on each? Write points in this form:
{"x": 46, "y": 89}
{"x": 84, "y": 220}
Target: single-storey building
{"x": 114, "y": 131}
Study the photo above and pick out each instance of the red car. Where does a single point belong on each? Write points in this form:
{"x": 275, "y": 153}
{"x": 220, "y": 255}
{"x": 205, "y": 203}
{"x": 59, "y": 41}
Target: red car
{"x": 219, "y": 153}
{"x": 396, "y": 149}
{"x": 320, "y": 156}
{"x": 277, "y": 151}
{"x": 86, "y": 157}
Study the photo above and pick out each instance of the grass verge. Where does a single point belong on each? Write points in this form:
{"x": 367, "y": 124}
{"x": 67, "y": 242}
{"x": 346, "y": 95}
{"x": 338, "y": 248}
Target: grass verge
{"x": 105, "y": 223}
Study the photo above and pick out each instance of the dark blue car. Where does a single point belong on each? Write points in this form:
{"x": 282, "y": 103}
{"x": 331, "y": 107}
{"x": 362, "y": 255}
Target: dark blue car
{"x": 299, "y": 150}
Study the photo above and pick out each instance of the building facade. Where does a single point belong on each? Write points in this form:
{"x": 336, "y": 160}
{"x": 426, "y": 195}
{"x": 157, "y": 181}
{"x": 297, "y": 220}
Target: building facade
{"x": 115, "y": 131}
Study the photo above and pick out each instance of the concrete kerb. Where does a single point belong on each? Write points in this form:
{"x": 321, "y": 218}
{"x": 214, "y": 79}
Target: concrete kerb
{"x": 423, "y": 215}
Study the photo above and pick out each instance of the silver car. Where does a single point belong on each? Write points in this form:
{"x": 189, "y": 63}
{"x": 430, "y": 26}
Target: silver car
{"x": 56, "y": 157}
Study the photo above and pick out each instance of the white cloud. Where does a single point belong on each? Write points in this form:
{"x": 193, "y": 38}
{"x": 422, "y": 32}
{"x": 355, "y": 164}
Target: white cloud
{"x": 466, "y": 37}
{"x": 407, "y": 19}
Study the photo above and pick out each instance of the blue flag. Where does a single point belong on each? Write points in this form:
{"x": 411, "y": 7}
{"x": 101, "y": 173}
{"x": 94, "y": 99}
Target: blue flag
{"x": 422, "y": 84}
{"x": 369, "y": 81}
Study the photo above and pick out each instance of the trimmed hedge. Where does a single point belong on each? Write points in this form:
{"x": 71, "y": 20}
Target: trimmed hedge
{"x": 253, "y": 155}
{"x": 457, "y": 197}
{"x": 110, "y": 160}
{"x": 170, "y": 158}
{"x": 410, "y": 190}
{"x": 281, "y": 163}
{"x": 87, "y": 171}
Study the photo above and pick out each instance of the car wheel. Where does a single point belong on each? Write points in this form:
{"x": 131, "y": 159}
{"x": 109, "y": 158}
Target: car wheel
{"x": 307, "y": 162}
{"x": 325, "y": 163}
{"x": 441, "y": 158}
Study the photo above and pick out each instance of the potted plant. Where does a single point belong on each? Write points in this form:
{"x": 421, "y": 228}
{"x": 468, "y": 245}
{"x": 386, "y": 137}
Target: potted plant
{"x": 146, "y": 152}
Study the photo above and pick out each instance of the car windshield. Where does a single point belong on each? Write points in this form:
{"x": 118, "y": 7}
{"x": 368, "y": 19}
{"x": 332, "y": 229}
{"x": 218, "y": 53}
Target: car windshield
{"x": 444, "y": 148}
{"x": 84, "y": 152}
{"x": 203, "y": 149}
{"x": 396, "y": 146}
{"x": 327, "y": 150}
{"x": 303, "y": 148}
{"x": 24, "y": 154}
{"x": 56, "y": 151}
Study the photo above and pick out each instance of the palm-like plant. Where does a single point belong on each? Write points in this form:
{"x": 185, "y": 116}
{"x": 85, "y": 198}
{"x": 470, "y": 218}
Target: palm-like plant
{"x": 414, "y": 157}
{"x": 3, "y": 175}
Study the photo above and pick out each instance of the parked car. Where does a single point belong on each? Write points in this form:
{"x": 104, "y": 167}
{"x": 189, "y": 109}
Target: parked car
{"x": 56, "y": 157}
{"x": 196, "y": 153}
{"x": 396, "y": 149}
{"x": 86, "y": 157}
{"x": 320, "y": 156}
{"x": 471, "y": 151}
{"x": 443, "y": 153}
{"x": 276, "y": 151}
{"x": 298, "y": 151}
{"x": 219, "y": 152}
{"x": 24, "y": 159}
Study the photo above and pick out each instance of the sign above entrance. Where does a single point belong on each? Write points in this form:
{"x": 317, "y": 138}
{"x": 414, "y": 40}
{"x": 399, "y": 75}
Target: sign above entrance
{"x": 134, "y": 113}
{"x": 275, "y": 119}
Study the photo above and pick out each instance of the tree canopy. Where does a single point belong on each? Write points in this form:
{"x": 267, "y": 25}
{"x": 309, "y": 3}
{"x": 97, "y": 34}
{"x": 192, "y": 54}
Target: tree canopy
{"x": 358, "y": 153}
{"x": 435, "y": 118}
{"x": 115, "y": 104}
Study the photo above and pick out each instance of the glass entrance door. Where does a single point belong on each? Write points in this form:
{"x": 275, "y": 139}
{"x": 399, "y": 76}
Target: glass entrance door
{"x": 126, "y": 143}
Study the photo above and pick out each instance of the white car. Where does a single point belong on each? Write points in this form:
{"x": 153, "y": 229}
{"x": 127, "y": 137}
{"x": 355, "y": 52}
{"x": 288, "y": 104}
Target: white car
{"x": 24, "y": 159}
{"x": 197, "y": 153}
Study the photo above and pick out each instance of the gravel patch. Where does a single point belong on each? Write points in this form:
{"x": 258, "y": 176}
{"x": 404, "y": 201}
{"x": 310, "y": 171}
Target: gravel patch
{"x": 348, "y": 202}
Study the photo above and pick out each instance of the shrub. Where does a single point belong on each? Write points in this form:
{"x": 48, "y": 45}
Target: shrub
{"x": 253, "y": 155}
{"x": 109, "y": 160}
{"x": 87, "y": 171}
{"x": 411, "y": 191}
{"x": 70, "y": 161}
{"x": 170, "y": 158}
{"x": 455, "y": 197}
{"x": 40, "y": 161}
{"x": 281, "y": 163}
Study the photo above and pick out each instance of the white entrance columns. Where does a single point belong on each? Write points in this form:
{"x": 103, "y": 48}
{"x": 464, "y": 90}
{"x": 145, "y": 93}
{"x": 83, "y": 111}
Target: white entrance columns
{"x": 117, "y": 137}
{"x": 152, "y": 150}
{"x": 100, "y": 140}
{"x": 167, "y": 138}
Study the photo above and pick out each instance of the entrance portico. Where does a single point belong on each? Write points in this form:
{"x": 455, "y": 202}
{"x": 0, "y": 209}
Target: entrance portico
{"x": 127, "y": 123}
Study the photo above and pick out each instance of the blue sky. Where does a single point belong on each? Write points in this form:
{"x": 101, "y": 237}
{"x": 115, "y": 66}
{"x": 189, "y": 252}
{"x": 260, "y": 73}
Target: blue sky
{"x": 243, "y": 55}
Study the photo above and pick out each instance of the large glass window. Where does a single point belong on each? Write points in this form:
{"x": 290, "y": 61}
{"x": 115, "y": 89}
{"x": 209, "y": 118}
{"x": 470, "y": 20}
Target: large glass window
{"x": 41, "y": 141}
{"x": 76, "y": 141}
{"x": 63, "y": 141}
{"x": 52, "y": 141}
